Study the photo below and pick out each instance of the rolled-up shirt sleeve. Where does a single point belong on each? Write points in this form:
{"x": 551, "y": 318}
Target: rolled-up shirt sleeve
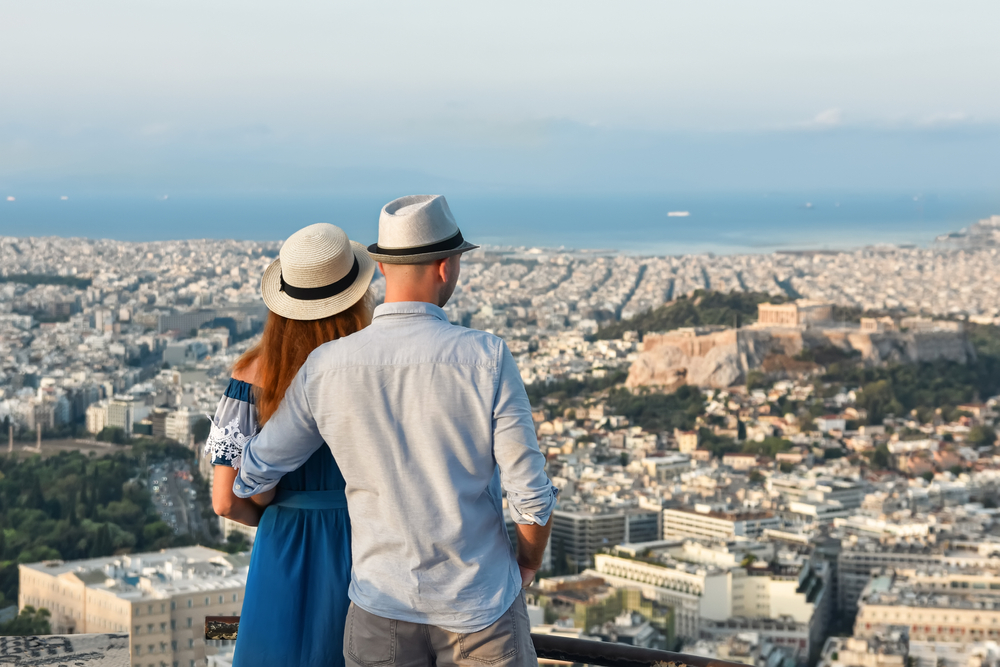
{"x": 531, "y": 497}
{"x": 285, "y": 442}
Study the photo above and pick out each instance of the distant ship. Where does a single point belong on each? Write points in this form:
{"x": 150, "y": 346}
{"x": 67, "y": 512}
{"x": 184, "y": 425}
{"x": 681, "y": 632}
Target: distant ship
{"x": 678, "y": 214}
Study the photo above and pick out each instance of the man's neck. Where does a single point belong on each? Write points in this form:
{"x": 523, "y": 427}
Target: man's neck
{"x": 410, "y": 294}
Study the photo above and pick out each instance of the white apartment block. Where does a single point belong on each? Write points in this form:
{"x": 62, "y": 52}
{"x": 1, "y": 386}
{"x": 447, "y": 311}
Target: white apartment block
{"x": 121, "y": 413}
{"x": 178, "y": 425}
{"x": 700, "y": 594}
{"x": 702, "y": 523}
{"x": 694, "y": 592}
{"x": 97, "y": 417}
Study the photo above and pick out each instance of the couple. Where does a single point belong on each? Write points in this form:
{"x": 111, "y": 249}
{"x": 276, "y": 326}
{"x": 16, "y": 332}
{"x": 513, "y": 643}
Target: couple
{"x": 369, "y": 447}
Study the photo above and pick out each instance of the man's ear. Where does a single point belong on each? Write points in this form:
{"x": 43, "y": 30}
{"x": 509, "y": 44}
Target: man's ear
{"x": 442, "y": 269}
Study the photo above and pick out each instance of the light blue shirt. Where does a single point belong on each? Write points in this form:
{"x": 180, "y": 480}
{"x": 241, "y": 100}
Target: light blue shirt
{"x": 419, "y": 414}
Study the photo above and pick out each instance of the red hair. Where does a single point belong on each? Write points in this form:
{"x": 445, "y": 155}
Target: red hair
{"x": 284, "y": 347}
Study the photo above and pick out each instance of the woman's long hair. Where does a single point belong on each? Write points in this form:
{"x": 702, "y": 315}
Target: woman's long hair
{"x": 286, "y": 343}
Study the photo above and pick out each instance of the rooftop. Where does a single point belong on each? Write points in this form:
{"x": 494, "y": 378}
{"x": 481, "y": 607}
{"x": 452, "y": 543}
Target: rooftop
{"x": 155, "y": 575}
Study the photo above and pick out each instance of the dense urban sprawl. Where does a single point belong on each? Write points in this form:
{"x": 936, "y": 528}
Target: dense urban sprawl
{"x": 823, "y": 509}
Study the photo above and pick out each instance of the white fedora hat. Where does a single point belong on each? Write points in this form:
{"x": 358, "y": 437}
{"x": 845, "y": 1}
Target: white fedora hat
{"x": 319, "y": 272}
{"x": 415, "y": 229}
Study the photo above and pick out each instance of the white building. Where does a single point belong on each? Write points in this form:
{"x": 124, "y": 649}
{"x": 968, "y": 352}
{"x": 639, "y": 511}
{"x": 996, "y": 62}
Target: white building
{"x": 178, "y": 425}
{"x": 702, "y": 523}
{"x": 121, "y": 413}
{"x": 160, "y": 599}
{"x": 704, "y": 594}
{"x": 97, "y": 417}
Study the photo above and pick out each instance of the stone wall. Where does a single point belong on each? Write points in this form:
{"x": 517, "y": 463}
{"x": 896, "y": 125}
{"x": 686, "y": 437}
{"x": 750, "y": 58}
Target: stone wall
{"x": 76, "y": 650}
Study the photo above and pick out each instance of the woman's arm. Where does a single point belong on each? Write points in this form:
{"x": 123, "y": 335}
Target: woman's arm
{"x": 264, "y": 499}
{"x": 225, "y": 503}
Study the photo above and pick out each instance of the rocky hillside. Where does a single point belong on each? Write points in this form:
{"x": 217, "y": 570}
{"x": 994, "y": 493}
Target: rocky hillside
{"x": 722, "y": 357}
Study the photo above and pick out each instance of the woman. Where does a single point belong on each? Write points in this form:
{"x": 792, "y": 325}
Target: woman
{"x": 300, "y": 569}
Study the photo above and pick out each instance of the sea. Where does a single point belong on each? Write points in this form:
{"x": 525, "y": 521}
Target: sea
{"x": 647, "y": 224}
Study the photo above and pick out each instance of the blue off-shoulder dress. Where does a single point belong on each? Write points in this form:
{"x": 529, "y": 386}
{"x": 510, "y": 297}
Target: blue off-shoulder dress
{"x": 296, "y": 601}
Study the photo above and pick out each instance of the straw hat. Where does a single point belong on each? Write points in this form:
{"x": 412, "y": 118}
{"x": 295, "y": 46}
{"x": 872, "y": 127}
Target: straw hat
{"x": 319, "y": 272}
{"x": 415, "y": 229}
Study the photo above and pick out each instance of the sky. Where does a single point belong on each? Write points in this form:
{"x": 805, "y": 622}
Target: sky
{"x": 222, "y": 97}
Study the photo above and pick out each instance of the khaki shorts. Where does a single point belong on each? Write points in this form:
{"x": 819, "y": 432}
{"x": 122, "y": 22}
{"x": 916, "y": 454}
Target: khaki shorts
{"x": 373, "y": 641}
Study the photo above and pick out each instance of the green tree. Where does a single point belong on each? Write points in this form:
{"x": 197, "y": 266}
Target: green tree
{"x": 769, "y": 446}
{"x": 657, "y": 411}
{"x": 29, "y": 622}
{"x": 235, "y": 543}
{"x": 982, "y": 436}
{"x": 113, "y": 434}
{"x": 882, "y": 458}
{"x": 102, "y": 542}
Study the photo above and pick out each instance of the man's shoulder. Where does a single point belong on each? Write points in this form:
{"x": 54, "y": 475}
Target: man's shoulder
{"x": 442, "y": 342}
{"x": 473, "y": 334}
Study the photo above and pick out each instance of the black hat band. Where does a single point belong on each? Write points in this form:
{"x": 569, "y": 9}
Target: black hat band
{"x": 450, "y": 243}
{"x": 325, "y": 292}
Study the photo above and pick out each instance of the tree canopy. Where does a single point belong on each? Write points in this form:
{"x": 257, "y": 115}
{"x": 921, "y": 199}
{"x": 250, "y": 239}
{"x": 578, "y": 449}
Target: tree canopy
{"x": 72, "y": 506}
{"x": 659, "y": 412}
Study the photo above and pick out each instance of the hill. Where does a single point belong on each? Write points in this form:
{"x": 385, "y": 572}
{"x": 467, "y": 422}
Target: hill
{"x": 701, "y": 309}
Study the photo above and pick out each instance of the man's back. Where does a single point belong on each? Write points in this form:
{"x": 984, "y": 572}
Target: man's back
{"x": 418, "y": 413}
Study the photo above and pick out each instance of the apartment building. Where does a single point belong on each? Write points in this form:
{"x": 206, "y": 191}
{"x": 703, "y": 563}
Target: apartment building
{"x": 121, "y": 413}
{"x": 694, "y": 592}
{"x": 860, "y": 558}
{"x": 951, "y": 605}
{"x": 704, "y": 594}
{"x": 703, "y": 523}
{"x": 848, "y": 493}
{"x": 160, "y": 599}
{"x": 580, "y": 535}
{"x": 97, "y": 417}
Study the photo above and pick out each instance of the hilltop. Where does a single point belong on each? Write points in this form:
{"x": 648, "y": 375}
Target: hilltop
{"x": 702, "y": 308}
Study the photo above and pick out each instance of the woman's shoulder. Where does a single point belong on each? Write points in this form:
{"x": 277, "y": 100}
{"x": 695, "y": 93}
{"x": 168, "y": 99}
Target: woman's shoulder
{"x": 246, "y": 374}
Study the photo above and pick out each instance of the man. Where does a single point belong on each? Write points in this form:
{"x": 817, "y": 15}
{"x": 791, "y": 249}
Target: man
{"x": 420, "y": 415}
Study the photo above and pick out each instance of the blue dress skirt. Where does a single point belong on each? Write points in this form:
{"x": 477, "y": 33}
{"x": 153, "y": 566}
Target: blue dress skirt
{"x": 296, "y": 601}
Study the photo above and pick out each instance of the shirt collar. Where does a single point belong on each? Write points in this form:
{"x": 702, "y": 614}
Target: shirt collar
{"x": 409, "y": 308}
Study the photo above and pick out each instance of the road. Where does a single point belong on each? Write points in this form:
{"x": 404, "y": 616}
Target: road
{"x": 174, "y": 496}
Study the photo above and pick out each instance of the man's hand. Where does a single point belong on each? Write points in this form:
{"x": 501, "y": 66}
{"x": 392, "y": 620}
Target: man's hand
{"x": 527, "y": 575}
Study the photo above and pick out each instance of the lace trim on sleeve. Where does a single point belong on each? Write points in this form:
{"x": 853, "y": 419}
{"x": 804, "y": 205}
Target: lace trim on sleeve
{"x": 226, "y": 442}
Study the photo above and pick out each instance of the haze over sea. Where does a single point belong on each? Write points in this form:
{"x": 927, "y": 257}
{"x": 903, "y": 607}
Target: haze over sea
{"x": 722, "y": 223}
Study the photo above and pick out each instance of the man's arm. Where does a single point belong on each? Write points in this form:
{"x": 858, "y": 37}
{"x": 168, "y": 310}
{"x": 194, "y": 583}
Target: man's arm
{"x": 530, "y": 495}
{"x": 287, "y": 441}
